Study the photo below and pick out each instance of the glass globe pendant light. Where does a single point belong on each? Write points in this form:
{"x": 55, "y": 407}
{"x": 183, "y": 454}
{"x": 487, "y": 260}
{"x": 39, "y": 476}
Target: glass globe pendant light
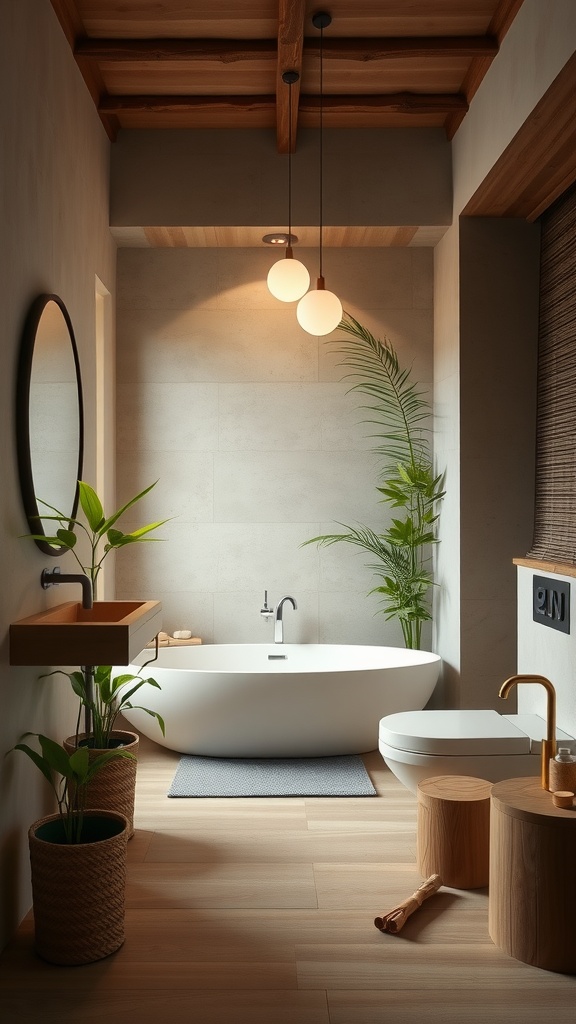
{"x": 320, "y": 311}
{"x": 288, "y": 279}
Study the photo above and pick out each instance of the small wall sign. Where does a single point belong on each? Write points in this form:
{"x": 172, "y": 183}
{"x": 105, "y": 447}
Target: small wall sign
{"x": 551, "y": 603}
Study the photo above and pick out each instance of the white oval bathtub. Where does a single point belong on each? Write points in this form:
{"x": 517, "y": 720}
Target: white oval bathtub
{"x": 279, "y": 700}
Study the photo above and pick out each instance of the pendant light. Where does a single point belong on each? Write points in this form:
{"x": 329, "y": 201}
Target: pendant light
{"x": 288, "y": 279}
{"x": 320, "y": 311}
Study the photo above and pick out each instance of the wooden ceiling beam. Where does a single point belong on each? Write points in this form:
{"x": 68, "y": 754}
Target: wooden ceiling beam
{"x": 139, "y": 51}
{"x": 500, "y": 23}
{"x": 289, "y": 47}
{"x": 291, "y": 16}
{"x": 407, "y": 103}
{"x": 70, "y": 21}
{"x": 73, "y": 28}
{"x": 182, "y": 104}
{"x": 366, "y": 50}
{"x": 399, "y": 102}
{"x": 539, "y": 163}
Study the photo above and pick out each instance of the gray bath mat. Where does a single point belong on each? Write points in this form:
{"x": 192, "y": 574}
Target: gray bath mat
{"x": 276, "y": 776}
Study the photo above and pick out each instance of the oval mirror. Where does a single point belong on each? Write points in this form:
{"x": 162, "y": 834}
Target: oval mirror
{"x": 49, "y": 415}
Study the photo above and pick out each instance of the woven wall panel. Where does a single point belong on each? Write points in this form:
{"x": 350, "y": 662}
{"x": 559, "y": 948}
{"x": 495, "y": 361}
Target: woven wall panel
{"x": 555, "y": 512}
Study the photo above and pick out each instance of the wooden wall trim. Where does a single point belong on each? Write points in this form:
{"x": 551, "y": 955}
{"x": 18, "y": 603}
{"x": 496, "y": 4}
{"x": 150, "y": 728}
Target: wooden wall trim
{"x": 539, "y": 164}
{"x": 550, "y": 568}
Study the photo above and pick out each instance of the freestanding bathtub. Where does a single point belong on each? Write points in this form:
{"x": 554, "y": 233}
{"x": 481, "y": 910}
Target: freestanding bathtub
{"x": 278, "y": 700}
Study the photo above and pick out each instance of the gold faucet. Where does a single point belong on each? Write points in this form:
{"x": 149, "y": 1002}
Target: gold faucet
{"x": 549, "y": 744}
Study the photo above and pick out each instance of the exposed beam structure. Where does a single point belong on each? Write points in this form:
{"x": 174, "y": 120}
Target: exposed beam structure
{"x": 151, "y": 64}
{"x": 407, "y": 103}
{"x": 289, "y": 48}
{"x": 539, "y": 163}
{"x": 291, "y": 15}
{"x": 146, "y": 51}
{"x": 500, "y": 23}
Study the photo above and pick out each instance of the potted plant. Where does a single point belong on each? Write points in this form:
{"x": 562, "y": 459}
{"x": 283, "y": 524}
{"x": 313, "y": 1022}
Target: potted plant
{"x": 77, "y": 858}
{"x": 99, "y": 530}
{"x": 398, "y": 411}
{"x": 112, "y": 788}
{"x": 99, "y": 694}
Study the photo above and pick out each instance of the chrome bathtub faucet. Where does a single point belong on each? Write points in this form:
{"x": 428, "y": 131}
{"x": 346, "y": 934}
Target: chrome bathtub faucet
{"x": 266, "y": 611}
{"x": 278, "y": 623}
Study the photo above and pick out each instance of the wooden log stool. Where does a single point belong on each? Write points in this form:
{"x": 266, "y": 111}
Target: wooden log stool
{"x": 532, "y": 899}
{"x": 453, "y": 837}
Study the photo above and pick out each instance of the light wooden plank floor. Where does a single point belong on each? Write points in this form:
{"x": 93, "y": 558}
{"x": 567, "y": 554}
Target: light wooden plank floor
{"x": 261, "y": 911}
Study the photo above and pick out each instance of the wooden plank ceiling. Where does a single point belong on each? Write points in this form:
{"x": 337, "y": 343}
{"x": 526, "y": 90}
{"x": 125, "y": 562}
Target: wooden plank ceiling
{"x": 219, "y": 63}
{"x": 153, "y": 64}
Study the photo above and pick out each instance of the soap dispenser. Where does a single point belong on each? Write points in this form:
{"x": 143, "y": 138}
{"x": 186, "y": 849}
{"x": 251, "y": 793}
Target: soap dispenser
{"x": 563, "y": 771}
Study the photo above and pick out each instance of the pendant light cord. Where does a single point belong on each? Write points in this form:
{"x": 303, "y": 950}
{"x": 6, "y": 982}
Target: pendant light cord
{"x": 289, "y": 77}
{"x": 290, "y": 167}
{"x": 321, "y": 161}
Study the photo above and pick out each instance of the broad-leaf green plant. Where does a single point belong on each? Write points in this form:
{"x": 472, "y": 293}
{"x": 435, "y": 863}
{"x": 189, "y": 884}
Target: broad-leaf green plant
{"x": 398, "y": 411}
{"x": 76, "y": 771}
{"x": 106, "y": 699}
{"x": 101, "y": 531}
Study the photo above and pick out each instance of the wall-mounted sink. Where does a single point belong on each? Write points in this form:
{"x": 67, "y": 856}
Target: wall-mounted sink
{"x": 110, "y": 633}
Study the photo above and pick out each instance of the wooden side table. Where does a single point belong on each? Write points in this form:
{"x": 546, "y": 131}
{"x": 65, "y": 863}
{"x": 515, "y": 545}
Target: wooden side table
{"x": 532, "y": 900}
{"x": 454, "y": 830}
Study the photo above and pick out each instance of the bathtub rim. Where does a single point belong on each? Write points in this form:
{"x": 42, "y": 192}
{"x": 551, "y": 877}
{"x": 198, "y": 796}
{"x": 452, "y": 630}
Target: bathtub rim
{"x": 412, "y": 659}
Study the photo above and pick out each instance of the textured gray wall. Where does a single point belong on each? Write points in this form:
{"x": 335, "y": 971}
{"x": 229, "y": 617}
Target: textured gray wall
{"x": 244, "y": 419}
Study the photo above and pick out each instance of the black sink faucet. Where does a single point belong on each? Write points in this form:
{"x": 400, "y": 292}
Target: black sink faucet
{"x": 51, "y": 577}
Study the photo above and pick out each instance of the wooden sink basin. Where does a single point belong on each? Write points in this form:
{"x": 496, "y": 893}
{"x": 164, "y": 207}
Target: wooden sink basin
{"x": 110, "y": 633}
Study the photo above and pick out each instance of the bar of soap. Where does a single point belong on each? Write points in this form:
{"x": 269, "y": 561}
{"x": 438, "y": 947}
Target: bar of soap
{"x": 182, "y": 634}
{"x": 562, "y": 798}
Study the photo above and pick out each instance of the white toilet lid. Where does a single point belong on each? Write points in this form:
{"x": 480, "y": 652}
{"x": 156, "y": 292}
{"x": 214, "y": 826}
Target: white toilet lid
{"x": 453, "y": 732}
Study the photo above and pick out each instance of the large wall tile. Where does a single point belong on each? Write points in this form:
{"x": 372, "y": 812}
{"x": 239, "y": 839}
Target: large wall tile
{"x": 266, "y": 556}
{"x": 185, "y": 560}
{"x": 288, "y": 417}
{"x": 353, "y": 618}
{"x": 168, "y": 278}
{"x": 370, "y": 278}
{"x": 423, "y": 278}
{"x": 212, "y": 346}
{"x": 169, "y": 417}
{"x": 292, "y": 486}
{"x": 246, "y": 422}
{"x": 184, "y": 489}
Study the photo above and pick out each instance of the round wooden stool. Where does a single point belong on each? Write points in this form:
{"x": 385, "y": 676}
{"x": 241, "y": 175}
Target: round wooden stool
{"x": 532, "y": 900}
{"x": 454, "y": 830}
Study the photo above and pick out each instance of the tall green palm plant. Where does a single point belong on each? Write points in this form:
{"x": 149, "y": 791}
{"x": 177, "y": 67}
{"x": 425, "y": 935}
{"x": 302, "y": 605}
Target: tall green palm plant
{"x": 398, "y": 411}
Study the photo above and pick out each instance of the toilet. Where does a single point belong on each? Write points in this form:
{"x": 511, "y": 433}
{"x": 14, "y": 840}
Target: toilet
{"x": 418, "y": 745}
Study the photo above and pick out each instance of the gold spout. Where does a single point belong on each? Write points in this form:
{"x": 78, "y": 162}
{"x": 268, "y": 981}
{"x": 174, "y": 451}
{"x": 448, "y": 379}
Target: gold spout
{"x": 549, "y": 744}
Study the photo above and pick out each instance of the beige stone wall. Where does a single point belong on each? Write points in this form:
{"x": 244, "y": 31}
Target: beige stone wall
{"x": 237, "y": 177}
{"x": 245, "y": 421}
{"x": 54, "y": 238}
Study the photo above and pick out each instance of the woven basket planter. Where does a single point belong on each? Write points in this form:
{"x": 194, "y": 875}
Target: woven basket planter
{"x": 113, "y": 788}
{"x": 78, "y": 889}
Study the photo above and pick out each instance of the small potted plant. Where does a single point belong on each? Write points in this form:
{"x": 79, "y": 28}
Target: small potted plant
{"x": 98, "y": 528}
{"x": 99, "y": 694}
{"x": 114, "y": 786}
{"x": 77, "y": 858}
